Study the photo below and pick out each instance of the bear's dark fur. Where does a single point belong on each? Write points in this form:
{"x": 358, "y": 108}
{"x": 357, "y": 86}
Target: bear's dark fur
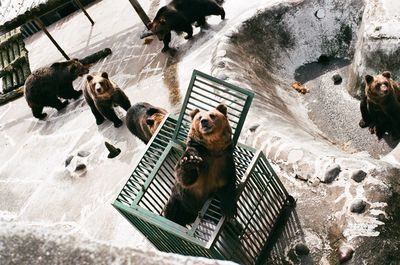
{"x": 102, "y": 94}
{"x": 179, "y": 15}
{"x": 206, "y": 168}
{"x": 380, "y": 105}
{"x": 44, "y": 86}
{"x": 142, "y": 120}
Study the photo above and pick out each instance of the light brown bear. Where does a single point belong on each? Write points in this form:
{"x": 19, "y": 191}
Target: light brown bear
{"x": 380, "y": 105}
{"x": 142, "y": 120}
{"x": 102, "y": 94}
{"x": 206, "y": 168}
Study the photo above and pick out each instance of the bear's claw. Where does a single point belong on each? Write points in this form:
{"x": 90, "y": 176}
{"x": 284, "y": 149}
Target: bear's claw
{"x": 191, "y": 161}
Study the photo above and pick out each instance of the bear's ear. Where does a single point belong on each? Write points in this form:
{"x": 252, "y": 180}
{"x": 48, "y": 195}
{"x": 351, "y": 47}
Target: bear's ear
{"x": 193, "y": 113}
{"x": 223, "y": 109}
{"x": 369, "y": 79}
{"x": 89, "y": 78}
{"x": 387, "y": 74}
{"x": 104, "y": 75}
{"x": 150, "y": 122}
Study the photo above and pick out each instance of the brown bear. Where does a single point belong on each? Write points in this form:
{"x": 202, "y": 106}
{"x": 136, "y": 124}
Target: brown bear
{"x": 179, "y": 15}
{"x": 380, "y": 105}
{"x": 44, "y": 86}
{"x": 206, "y": 168}
{"x": 142, "y": 120}
{"x": 102, "y": 94}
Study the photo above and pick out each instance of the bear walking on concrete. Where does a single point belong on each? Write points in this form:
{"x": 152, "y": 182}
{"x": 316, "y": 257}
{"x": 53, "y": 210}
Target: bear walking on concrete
{"x": 102, "y": 94}
{"x": 205, "y": 168}
{"x": 142, "y": 120}
{"x": 46, "y": 85}
{"x": 179, "y": 15}
{"x": 380, "y": 105}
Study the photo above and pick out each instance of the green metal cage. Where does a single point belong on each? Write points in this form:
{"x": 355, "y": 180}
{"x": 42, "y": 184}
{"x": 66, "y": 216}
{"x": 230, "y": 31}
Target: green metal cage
{"x": 261, "y": 195}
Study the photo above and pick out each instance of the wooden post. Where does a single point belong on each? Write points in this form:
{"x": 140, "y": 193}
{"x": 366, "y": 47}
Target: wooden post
{"x": 43, "y": 27}
{"x": 84, "y": 11}
{"x": 140, "y": 11}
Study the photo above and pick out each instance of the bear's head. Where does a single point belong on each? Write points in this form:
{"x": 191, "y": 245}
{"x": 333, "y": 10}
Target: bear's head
{"x": 154, "y": 117}
{"x": 74, "y": 66}
{"x": 379, "y": 87}
{"x": 160, "y": 27}
{"x": 100, "y": 85}
{"x": 211, "y": 128}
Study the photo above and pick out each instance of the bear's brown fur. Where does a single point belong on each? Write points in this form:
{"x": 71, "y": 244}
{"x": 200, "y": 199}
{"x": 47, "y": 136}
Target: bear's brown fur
{"x": 102, "y": 94}
{"x": 142, "y": 120}
{"x": 46, "y": 85}
{"x": 380, "y": 105}
{"x": 205, "y": 168}
{"x": 179, "y": 15}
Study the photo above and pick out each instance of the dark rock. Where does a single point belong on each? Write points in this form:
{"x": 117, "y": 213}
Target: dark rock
{"x": 323, "y": 59}
{"x": 331, "y": 173}
{"x": 320, "y": 14}
{"x": 254, "y": 127}
{"x": 68, "y": 160}
{"x": 302, "y": 177}
{"x": 358, "y": 206}
{"x": 83, "y": 153}
{"x": 358, "y": 175}
{"x": 96, "y": 56}
{"x": 80, "y": 167}
{"x": 113, "y": 150}
{"x": 337, "y": 79}
{"x": 345, "y": 253}
{"x": 301, "y": 249}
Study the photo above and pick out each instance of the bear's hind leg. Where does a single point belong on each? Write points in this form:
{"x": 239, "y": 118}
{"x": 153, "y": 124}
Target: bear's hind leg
{"x": 166, "y": 40}
{"x": 189, "y": 30}
{"x": 37, "y": 112}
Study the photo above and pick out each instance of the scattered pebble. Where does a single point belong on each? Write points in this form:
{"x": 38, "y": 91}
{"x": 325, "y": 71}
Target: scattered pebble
{"x": 222, "y": 76}
{"x": 254, "y": 127}
{"x": 378, "y": 28}
{"x": 358, "y": 206}
{"x": 358, "y": 175}
{"x": 301, "y": 249}
{"x": 83, "y": 153}
{"x": 68, "y": 160}
{"x": 345, "y": 253}
{"x": 320, "y": 14}
{"x": 113, "y": 150}
{"x": 302, "y": 177}
{"x": 80, "y": 167}
{"x": 147, "y": 41}
{"x": 323, "y": 59}
{"x": 331, "y": 173}
{"x": 337, "y": 79}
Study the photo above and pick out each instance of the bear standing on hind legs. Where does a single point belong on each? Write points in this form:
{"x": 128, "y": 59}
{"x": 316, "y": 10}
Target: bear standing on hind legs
{"x": 179, "y": 15}
{"x": 102, "y": 94}
{"x": 46, "y": 85}
{"x": 380, "y": 105}
{"x": 206, "y": 168}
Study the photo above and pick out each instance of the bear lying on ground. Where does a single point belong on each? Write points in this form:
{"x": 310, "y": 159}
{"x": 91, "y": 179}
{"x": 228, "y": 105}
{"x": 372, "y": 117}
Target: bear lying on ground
{"x": 102, "y": 94}
{"x": 205, "y": 168}
{"x": 44, "y": 86}
{"x": 179, "y": 15}
{"x": 142, "y": 120}
{"x": 380, "y": 105}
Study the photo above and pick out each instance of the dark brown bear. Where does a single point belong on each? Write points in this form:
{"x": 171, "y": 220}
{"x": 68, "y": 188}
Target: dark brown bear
{"x": 380, "y": 105}
{"x": 46, "y": 85}
{"x": 102, "y": 94}
{"x": 179, "y": 15}
{"x": 206, "y": 168}
{"x": 142, "y": 120}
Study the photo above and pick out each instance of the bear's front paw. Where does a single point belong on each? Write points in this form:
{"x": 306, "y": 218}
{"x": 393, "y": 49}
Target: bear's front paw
{"x": 189, "y": 36}
{"x": 191, "y": 161}
{"x": 165, "y": 49}
{"x": 363, "y": 124}
{"x": 63, "y": 105}
{"x": 117, "y": 123}
{"x": 100, "y": 120}
{"x": 41, "y": 116}
{"x": 77, "y": 94}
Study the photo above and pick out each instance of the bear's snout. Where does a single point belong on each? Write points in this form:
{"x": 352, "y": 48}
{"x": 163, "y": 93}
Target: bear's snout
{"x": 204, "y": 123}
{"x": 98, "y": 88}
